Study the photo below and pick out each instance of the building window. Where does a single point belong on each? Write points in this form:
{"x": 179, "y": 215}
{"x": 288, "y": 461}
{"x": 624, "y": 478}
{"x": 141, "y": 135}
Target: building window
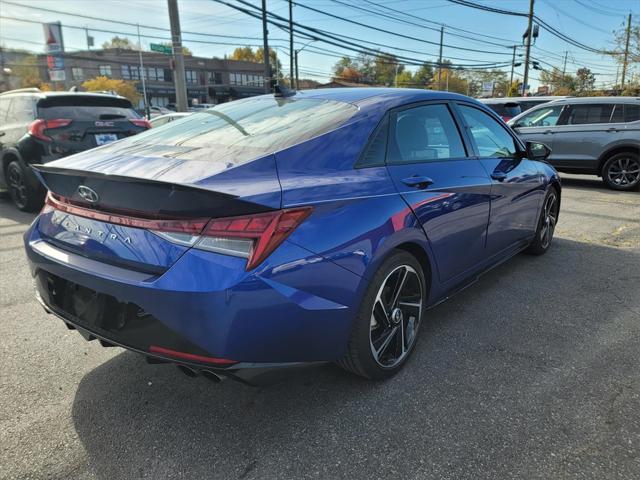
{"x": 126, "y": 75}
{"x": 105, "y": 70}
{"x": 76, "y": 73}
{"x": 192, "y": 76}
{"x": 218, "y": 79}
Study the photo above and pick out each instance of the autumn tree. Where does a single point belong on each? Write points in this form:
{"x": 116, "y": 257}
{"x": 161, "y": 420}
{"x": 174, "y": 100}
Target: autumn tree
{"x": 247, "y": 54}
{"x": 560, "y": 83}
{"x": 585, "y": 81}
{"x": 122, "y": 43}
{"x": 121, "y": 87}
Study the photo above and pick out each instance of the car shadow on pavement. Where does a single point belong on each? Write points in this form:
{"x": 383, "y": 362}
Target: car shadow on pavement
{"x": 529, "y": 373}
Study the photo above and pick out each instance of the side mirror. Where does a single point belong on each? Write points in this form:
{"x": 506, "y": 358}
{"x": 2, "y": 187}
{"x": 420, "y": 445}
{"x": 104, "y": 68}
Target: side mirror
{"x": 537, "y": 151}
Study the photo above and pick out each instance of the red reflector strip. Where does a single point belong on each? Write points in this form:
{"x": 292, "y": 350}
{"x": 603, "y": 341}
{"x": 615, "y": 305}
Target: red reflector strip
{"x": 191, "y": 226}
{"x": 190, "y": 356}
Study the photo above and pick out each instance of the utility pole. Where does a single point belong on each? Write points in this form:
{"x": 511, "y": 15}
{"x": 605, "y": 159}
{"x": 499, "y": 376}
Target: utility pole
{"x": 179, "y": 80}
{"x": 297, "y": 78}
{"x": 291, "y": 54}
{"x": 513, "y": 65}
{"x": 142, "y": 76}
{"x": 440, "y": 59}
{"x": 626, "y": 53}
{"x": 528, "y": 50}
{"x": 265, "y": 41}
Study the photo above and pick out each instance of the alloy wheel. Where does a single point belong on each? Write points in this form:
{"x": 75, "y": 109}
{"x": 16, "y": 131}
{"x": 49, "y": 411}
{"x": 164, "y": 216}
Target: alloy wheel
{"x": 550, "y": 219}
{"x": 17, "y": 186}
{"x": 624, "y": 171}
{"x": 395, "y": 316}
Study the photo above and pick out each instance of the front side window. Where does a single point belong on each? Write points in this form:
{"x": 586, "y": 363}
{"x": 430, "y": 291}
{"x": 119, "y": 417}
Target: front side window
{"x": 542, "y": 117}
{"x": 491, "y": 138}
{"x": 425, "y": 134}
{"x": 590, "y": 113}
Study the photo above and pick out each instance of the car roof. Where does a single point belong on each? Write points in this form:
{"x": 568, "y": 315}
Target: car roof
{"x": 598, "y": 100}
{"x": 359, "y": 94}
{"x": 45, "y": 94}
{"x": 498, "y": 101}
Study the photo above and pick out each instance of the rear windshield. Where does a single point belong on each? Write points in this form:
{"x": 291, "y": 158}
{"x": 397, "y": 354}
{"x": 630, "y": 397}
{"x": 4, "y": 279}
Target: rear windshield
{"x": 505, "y": 109}
{"x": 88, "y": 108}
{"x": 246, "y": 129}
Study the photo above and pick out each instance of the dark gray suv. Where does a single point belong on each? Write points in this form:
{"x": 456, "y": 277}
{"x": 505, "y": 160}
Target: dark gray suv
{"x": 592, "y": 135}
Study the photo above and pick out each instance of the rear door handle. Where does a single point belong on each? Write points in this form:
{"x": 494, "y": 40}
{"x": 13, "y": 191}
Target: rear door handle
{"x": 417, "y": 181}
{"x": 547, "y": 132}
{"x": 499, "y": 176}
{"x": 612, "y": 129}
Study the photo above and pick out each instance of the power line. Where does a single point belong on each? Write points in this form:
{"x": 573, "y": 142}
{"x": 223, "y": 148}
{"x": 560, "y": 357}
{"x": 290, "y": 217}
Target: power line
{"x": 382, "y": 30}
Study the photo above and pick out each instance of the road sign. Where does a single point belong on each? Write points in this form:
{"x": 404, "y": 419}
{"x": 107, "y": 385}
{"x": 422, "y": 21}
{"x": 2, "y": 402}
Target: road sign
{"x": 487, "y": 89}
{"x": 55, "y": 50}
{"x": 157, "y": 47}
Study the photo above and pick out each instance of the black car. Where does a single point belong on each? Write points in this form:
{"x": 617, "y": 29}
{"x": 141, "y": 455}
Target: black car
{"x": 38, "y": 127}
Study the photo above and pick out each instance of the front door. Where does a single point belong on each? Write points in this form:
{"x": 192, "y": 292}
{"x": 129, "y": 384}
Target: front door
{"x": 448, "y": 191}
{"x": 517, "y": 186}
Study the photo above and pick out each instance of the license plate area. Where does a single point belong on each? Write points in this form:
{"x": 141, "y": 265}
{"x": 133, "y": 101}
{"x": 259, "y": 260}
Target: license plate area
{"x": 104, "y": 138}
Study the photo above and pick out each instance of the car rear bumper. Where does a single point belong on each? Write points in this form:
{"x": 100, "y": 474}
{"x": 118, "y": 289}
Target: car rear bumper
{"x": 295, "y": 309}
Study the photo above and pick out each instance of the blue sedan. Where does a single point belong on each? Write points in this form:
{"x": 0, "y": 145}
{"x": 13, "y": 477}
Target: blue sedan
{"x": 285, "y": 230}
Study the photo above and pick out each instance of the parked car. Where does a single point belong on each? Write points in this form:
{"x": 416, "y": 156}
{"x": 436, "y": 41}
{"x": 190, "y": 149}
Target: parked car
{"x": 596, "y": 136}
{"x": 271, "y": 233}
{"x": 164, "y": 119}
{"x": 38, "y": 127}
{"x": 529, "y": 102}
{"x": 505, "y": 107}
{"x": 158, "y": 111}
{"x": 200, "y": 106}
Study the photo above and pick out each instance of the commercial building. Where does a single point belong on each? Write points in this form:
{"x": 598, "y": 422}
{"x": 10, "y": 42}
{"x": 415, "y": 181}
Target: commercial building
{"x": 209, "y": 80}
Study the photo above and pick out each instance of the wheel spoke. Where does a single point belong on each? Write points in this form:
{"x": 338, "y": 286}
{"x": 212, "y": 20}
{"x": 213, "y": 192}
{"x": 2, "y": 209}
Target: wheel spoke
{"x": 387, "y": 341}
{"x": 398, "y": 288}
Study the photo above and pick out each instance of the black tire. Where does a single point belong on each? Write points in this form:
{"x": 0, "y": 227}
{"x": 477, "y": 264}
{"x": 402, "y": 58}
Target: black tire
{"x": 360, "y": 358}
{"x": 24, "y": 196}
{"x": 546, "y": 223}
{"x": 622, "y": 171}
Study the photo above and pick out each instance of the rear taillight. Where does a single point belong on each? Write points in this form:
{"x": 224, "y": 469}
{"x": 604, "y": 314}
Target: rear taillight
{"x": 140, "y": 122}
{"x": 37, "y": 129}
{"x": 253, "y": 237}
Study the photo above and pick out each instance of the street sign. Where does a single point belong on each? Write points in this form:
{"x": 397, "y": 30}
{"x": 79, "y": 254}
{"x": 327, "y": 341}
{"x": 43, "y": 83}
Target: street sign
{"x": 487, "y": 89}
{"x": 55, "y": 51}
{"x": 157, "y": 47}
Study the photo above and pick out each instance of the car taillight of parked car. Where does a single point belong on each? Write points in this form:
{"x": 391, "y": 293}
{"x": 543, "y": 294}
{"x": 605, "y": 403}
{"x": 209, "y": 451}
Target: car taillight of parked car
{"x": 37, "y": 129}
{"x": 140, "y": 122}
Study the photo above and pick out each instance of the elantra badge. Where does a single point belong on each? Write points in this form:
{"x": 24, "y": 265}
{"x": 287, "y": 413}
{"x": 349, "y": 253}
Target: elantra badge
{"x": 88, "y": 194}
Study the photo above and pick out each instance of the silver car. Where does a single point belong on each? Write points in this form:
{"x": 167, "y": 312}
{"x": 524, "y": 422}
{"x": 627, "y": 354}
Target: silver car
{"x": 592, "y": 135}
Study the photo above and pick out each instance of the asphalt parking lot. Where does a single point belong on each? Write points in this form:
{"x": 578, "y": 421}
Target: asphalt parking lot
{"x": 531, "y": 373}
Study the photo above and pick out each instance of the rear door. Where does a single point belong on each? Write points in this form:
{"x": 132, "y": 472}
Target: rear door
{"x": 447, "y": 189}
{"x": 87, "y": 121}
{"x": 517, "y": 188}
{"x": 582, "y": 135}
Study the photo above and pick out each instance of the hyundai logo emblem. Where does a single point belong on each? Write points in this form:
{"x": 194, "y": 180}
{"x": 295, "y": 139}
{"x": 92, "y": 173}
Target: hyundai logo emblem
{"x": 88, "y": 194}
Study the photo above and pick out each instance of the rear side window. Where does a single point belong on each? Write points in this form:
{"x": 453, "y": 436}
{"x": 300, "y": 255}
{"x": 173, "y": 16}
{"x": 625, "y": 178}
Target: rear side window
{"x": 631, "y": 112}
{"x": 588, "y": 114}
{"x": 4, "y": 106}
{"x": 376, "y": 151}
{"x": 85, "y": 108}
{"x": 490, "y": 137}
{"x": 425, "y": 134}
{"x": 618, "y": 114}
{"x": 540, "y": 117}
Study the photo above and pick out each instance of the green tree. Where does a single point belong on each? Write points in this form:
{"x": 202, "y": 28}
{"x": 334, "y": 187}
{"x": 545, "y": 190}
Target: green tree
{"x": 423, "y": 76}
{"x": 405, "y": 79}
{"x": 561, "y": 84}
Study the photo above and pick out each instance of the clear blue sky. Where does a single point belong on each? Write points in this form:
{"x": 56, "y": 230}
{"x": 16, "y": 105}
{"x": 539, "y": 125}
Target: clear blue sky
{"x": 591, "y": 26}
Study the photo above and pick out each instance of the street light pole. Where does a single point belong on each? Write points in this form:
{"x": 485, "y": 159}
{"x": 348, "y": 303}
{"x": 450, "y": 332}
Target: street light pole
{"x": 296, "y": 52}
{"x": 626, "y": 53}
{"x": 142, "y": 77}
{"x": 513, "y": 65}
